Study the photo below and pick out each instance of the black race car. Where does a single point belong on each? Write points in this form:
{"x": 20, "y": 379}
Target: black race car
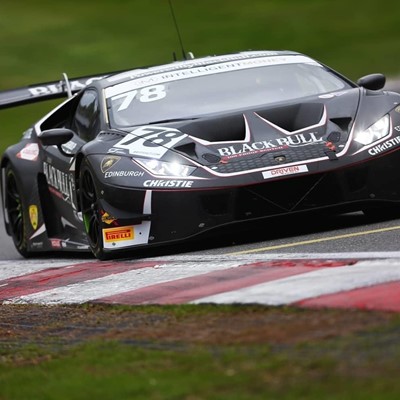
{"x": 162, "y": 154}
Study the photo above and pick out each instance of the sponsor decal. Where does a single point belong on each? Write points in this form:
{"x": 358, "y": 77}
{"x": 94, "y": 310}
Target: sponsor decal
{"x": 76, "y": 85}
{"x": 168, "y": 183}
{"x": 141, "y": 80}
{"x": 30, "y": 152}
{"x": 150, "y": 141}
{"x": 107, "y": 162}
{"x": 397, "y": 128}
{"x": 60, "y": 182}
{"x": 379, "y": 148}
{"x": 247, "y": 150}
{"x": 119, "y": 174}
{"x": 196, "y": 63}
{"x": 118, "y": 234}
{"x": 145, "y": 95}
{"x": 303, "y": 139}
{"x": 37, "y": 245}
{"x": 296, "y": 169}
{"x": 33, "y": 216}
{"x": 107, "y": 218}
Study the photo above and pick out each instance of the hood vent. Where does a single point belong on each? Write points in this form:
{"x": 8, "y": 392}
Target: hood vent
{"x": 294, "y": 117}
{"x": 110, "y": 135}
{"x": 221, "y": 129}
{"x": 188, "y": 149}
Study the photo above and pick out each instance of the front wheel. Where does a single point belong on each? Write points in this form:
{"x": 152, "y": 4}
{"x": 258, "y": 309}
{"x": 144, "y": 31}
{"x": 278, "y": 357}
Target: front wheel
{"x": 16, "y": 213}
{"x": 90, "y": 211}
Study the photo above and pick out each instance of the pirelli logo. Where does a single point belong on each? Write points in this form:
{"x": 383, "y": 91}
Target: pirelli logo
{"x": 118, "y": 234}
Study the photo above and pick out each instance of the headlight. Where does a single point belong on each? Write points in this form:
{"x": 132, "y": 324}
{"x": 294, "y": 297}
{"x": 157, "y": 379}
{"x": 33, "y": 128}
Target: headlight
{"x": 161, "y": 168}
{"x": 375, "y": 132}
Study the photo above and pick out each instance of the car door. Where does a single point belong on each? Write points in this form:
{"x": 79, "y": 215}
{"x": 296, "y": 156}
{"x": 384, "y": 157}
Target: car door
{"x": 81, "y": 114}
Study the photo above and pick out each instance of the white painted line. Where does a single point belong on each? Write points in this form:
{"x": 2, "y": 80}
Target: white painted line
{"x": 312, "y": 284}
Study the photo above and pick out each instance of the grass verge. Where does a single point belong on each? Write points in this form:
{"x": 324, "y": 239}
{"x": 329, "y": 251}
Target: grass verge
{"x": 197, "y": 352}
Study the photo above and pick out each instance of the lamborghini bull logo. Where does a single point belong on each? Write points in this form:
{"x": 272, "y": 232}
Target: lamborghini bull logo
{"x": 107, "y": 162}
{"x": 303, "y": 139}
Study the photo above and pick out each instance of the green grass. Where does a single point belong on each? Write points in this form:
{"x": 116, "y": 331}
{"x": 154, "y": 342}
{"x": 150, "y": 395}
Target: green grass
{"x": 45, "y": 362}
{"x": 112, "y": 370}
{"x": 41, "y": 39}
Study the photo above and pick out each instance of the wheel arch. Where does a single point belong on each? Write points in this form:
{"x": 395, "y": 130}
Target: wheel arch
{"x": 26, "y": 173}
{"x": 3, "y": 165}
{"x": 10, "y": 159}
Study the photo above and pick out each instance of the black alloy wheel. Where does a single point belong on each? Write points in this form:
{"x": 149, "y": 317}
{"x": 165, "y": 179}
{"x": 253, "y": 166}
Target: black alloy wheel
{"x": 16, "y": 213}
{"x": 90, "y": 211}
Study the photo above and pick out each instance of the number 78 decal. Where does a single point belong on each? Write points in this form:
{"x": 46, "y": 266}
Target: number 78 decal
{"x": 146, "y": 95}
{"x": 150, "y": 141}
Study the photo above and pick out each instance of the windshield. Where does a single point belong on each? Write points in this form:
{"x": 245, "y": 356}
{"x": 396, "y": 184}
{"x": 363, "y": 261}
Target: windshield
{"x": 185, "y": 97}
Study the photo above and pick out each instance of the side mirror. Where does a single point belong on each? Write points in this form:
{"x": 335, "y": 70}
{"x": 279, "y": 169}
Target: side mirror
{"x": 372, "y": 81}
{"x": 55, "y": 137}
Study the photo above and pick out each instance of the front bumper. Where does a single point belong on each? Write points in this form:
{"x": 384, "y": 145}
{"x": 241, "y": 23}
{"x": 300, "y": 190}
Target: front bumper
{"x": 178, "y": 215}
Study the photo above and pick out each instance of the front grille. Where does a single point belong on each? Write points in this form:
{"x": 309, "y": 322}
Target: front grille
{"x": 243, "y": 163}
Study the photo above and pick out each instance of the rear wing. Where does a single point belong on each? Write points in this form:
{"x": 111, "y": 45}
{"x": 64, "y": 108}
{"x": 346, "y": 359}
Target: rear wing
{"x": 47, "y": 91}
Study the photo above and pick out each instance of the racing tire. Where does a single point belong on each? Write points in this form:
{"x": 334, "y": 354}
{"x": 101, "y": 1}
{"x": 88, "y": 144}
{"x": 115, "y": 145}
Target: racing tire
{"x": 88, "y": 196}
{"x": 16, "y": 210}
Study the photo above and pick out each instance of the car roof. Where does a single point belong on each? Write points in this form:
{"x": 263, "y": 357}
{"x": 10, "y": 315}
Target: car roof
{"x": 190, "y": 63}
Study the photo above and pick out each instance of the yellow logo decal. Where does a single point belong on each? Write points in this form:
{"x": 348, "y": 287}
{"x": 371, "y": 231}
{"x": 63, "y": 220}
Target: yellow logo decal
{"x": 107, "y": 218}
{"x": 33, "y": 216}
